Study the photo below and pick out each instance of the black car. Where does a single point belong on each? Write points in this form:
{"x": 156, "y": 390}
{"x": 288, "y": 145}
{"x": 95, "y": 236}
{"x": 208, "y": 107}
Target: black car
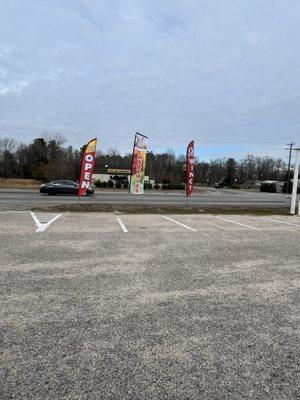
{"x": 224, "y": 182}
{"x": 62, "y": 187}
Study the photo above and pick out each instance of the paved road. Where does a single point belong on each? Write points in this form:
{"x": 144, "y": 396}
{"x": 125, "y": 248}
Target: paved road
{"x": 205, "y": 310}
{"x": 22, "y": 199}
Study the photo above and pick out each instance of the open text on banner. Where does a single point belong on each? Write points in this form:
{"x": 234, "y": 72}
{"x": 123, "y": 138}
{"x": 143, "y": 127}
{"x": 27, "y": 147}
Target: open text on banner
{"x": 87, "y": 167}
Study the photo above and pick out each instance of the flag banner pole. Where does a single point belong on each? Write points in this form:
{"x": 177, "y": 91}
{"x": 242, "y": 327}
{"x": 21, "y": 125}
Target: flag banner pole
{"x": 132, "y": 156}
{"x": 138, "y": 164}
{"x": 80, "y": 168}
{"x": 87, "y": 167}
{"x": 190, "y": 160}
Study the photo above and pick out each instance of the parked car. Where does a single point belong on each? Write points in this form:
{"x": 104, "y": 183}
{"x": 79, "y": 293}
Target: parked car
{"x": 218, "y": 185}
{"x": 222, "y": 183}
{"x": 62, "y": 187}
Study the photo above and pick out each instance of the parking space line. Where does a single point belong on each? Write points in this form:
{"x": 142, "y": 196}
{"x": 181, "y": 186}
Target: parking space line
{"x": 122, "y": 225}
{"x": 238, "y": 223}
{"x": 179, "y": 223}
{"x": 282, "y": 222}
{"x": 43, "y": 223}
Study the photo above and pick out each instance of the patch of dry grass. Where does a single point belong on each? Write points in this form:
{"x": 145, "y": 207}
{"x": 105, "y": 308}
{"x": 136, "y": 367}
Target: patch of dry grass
{"x": 17, "y": 183}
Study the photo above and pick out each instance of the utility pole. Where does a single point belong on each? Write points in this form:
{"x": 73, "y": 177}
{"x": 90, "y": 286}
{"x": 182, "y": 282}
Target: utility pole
{"x": 290, "y": 156}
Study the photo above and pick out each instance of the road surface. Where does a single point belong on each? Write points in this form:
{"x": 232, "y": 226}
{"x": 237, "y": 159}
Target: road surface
{"x": 18, "y": 199}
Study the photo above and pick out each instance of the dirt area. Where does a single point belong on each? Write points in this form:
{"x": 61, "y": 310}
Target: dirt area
{"x": 16, "y": 183}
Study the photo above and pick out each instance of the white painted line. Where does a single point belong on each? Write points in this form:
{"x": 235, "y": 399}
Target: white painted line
{"x": 238, "y": 223}
{"x": 282, "y": 222}
{"x": 179, "y": 223}
{"x": 41, "y": 226}
{"x": 45, "y": 216}
{"x": 122, "y": 225}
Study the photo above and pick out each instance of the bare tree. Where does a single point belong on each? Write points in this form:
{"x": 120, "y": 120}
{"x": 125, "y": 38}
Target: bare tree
{"x": 7, "y": 145}
{"x": 47, "y": 158}
{"x": 57, "y": 137}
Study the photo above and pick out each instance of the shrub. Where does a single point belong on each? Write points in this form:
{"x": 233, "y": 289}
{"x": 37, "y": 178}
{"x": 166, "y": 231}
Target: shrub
{"x": 104, "y": 184}
{"x": 179, "y": 186}
{"x": 118, "y": 185}
{"x": 164, "y": 186}
{"x": 39, "y": 172}
{"x": 110, "y": 184}
{"x": 268, "y": 187}
{"x": 156, "y": 186}
{"x": 175, "y": 186}
{"x": 98, "y": 183}
{"x": 287, "y": 187}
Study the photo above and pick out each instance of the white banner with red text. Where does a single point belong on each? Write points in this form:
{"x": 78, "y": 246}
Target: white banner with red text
{"x": 138, "y": 164}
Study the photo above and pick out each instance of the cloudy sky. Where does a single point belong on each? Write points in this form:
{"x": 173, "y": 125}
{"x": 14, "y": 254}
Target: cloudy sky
{"x": 223, "y": 72}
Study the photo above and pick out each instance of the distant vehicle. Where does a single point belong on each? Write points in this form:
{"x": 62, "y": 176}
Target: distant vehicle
{"x": 62, "y": 187}
{"x": 252, "y": 185}
{"x": 218, "y": 186}
{"x": 222, "y": 182}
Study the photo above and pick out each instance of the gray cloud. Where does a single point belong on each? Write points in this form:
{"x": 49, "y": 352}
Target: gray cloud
{"x": 223, "y": 72}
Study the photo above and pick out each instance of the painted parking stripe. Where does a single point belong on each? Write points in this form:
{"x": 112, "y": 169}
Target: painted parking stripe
{"x": 179, "y": 223}
{"x": 282, "y": 222}
{"x": 43, "y": 221}
{"x": 238, "y": 223}
{"x": 124, "y": 229}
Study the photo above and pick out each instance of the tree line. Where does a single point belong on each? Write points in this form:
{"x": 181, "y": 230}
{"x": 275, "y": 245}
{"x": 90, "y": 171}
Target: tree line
{"x": 47, "y": 158}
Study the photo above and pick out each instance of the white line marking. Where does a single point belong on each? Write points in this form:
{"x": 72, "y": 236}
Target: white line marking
{"x": 179, "y": 223}
{"x": 238, "y": 223}
{"x": 122, "y": 225}
{"x": 41, "y": 227}
{"x": 282, "y": 222}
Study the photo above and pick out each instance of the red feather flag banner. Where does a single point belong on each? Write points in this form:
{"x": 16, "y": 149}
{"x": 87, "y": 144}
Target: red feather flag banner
{"x": 87, "y": 166}
{"x": 190, "y": 159}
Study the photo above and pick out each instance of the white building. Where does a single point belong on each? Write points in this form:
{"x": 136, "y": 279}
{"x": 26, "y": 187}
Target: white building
{"x": 105, "y": 174}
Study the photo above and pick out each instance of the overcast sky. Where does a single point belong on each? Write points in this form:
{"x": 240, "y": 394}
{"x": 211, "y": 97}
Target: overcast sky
{"x": 223, "y": 72}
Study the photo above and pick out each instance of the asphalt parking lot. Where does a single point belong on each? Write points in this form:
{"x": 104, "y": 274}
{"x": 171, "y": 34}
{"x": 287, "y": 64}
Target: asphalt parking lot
{"x": 105, "y": 306}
